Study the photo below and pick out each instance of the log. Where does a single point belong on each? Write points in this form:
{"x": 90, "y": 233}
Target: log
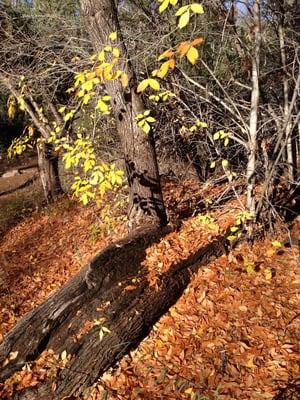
{"x": 95, "y": 293}
{"x": 22, "y": 186}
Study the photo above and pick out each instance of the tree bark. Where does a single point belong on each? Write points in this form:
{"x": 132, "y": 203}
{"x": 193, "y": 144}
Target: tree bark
{"x": 95, "y": 293}
{"x": 288, "y": 130}
{"x": 48, "y": 170}
{"x": 145, "y": 200}
{"x": 252, "y": 143}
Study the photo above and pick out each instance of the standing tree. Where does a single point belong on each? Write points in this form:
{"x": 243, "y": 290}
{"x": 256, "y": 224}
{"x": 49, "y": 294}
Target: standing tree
{"x": 146, "y": 205}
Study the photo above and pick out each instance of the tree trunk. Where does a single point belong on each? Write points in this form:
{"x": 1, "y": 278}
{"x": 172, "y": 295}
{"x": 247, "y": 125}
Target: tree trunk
{"x": 48, "y": 169}
{"x": 252, "y": 143}
{"x": 47, "y": 160}
{"x": 288, "y": 131}
{"x": 145, "y": 201}
{"x": 95, "y": 293}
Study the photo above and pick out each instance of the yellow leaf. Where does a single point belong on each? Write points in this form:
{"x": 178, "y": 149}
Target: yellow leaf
{"x": 102, "y": 106}
{"x": 192, "y": 55}
{"x": 276, "y": 243}
{"x": 154, "y": 84}
{"x": 87, "y": 86}
{"x": 86, "y": 98}
{"x": 101, "y": 56}
{"x": 150, "y": 119}
{"x": 90, "y": 76}
{"x": 197, "y": 8}
{"x": 268, "y": 274}
{"x": 189, "y": 390}
{"x": 21, "y": 103}
{"x": 225, "y": 163}
{"x": 182, "y": 10}
{"x": 61, "y": 110}
{"x": 231, "y": 238}
{"x": 84, "y": 198}
{"x": 184, "y": 19}
{"x": 142, "y": 85}
{"x": 11, "y": 111}
{"x": 63, "y": 355}
{"x": 163, "y": 6}
{"x": 113, "y": 36}
{"x": 146, "y": 127}
{"x": 216, "y": 135}
{"x": 116, "y": 52}
{"x": 163, "y": 70}
{"x": 124, "y": 80}
{"x": 249, "y": 268}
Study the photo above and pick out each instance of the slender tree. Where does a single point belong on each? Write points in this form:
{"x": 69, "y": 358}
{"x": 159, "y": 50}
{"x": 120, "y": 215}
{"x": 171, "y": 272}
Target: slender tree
{"x": 252, "y": 143}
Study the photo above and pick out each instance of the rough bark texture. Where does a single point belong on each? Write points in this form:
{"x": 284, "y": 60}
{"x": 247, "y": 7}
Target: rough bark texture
{"x": 92, "y": 294}
{"x": 146, "y": 202}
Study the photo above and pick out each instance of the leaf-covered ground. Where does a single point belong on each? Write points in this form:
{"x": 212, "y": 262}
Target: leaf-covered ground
{"x": 234, "y": 334}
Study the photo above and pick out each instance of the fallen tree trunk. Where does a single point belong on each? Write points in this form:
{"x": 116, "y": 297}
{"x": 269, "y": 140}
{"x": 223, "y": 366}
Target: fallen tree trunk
{"x": 93, "y": 294}
{"x": 28, "y": 182}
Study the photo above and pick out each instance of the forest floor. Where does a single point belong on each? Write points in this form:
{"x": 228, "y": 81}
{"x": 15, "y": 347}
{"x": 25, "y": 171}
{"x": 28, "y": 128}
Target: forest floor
{"x": 235, "y": 332}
